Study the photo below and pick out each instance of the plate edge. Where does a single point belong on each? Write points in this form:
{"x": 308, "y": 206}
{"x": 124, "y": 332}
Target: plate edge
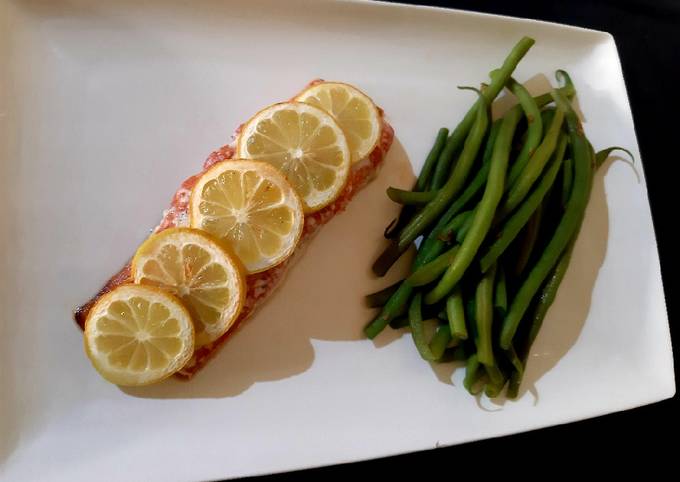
{"x": 472, "y": 13}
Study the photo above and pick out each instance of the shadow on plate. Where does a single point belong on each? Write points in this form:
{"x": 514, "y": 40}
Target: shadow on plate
{"x": 321, "y": 299}
{"x": 9, "y": 404}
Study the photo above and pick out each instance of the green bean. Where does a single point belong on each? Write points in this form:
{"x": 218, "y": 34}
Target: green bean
{"x": 493, "y": 390}
{"x": 410, "y": 198}
{"x": 435, "y": 311}
{"x": 407, "y": 213}
{"x": 395, "y": 226}
{"x": 519, "y": 140}
{"x": 567, "y": 228}
{"x": 602, "y": 155}
{"x": 529, "y": 239}
{"x": 549, "y": 293}
{"x": 423, "y": 218}
{"x": 514, "y": 384}
{"x": 456, "y": 353}
{"x": 534, "y": 132}
{"x": 431, "y": 160}
{"x": 399, "y": 299}
{"x": 542, "y": 100}
{"x": 393, "y": 251}
{"x": 453, "y": 185}
{"x": 434, "y": 240}
{"x": 399, "y": 293}
{"x": 432, "y": 270}
{"x": 519, "y": 219}
{"x": 379, "y": 298}
{"x": 472, "y": 374}
{"x": 455, "y": 225}
{"x": 567, "y": 180}
{"x": 563, "y": 77}
{"x": 396, "y": 303}
{"x": 553, "y": 210}
{"x": 552, "y": 141}
{"x": 514, "y": 359}
{"x": 439, "y": 342}
{"x": 484, "y": 318}
{"x": 427, "y": 253}
{"x": 451, "y": 150}
{"x": 433, "y": 245}
{"x": 495, "y": 374}
{"x": 484, "y": 211}
{"x": 462, "y": 232}
{"x": 398, "y": 323}
{"x": 500, "y": 299}
{"x": 459, "y": 134}
{"x": 547, "y": 115}
{"x": 545, "y": 300}
{"x": 456, "y": 314}
{"x": 496, "y": 383}
{"x": 392, "y": 229}
{"x": 415, "y": 320}
{"x": 480, "y": 178}
{"x": 394, "y": 307}
{"x": 471, "y": 316}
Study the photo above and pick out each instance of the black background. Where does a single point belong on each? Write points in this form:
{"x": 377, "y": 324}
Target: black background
{"x": 647, "y": 35}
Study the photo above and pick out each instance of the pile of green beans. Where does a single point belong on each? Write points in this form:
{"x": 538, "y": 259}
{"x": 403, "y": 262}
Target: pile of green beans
{"x": 495, "y": 213}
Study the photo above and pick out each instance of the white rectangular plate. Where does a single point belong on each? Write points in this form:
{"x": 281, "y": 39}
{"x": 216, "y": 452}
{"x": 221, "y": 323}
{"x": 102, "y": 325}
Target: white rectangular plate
{"x": 106, "y": 106}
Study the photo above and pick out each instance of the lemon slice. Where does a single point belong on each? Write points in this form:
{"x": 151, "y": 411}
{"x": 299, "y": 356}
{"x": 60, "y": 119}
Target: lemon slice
{"x": 306, "y": 144}
{"x": 250, "y": 206}
{"x": 352, "y": 109}
{"x": 193, "y": 266}
{"x": 137, "y": 335}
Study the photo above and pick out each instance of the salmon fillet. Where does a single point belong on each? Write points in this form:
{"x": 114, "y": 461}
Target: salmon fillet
{"x": 260, "y": 286}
